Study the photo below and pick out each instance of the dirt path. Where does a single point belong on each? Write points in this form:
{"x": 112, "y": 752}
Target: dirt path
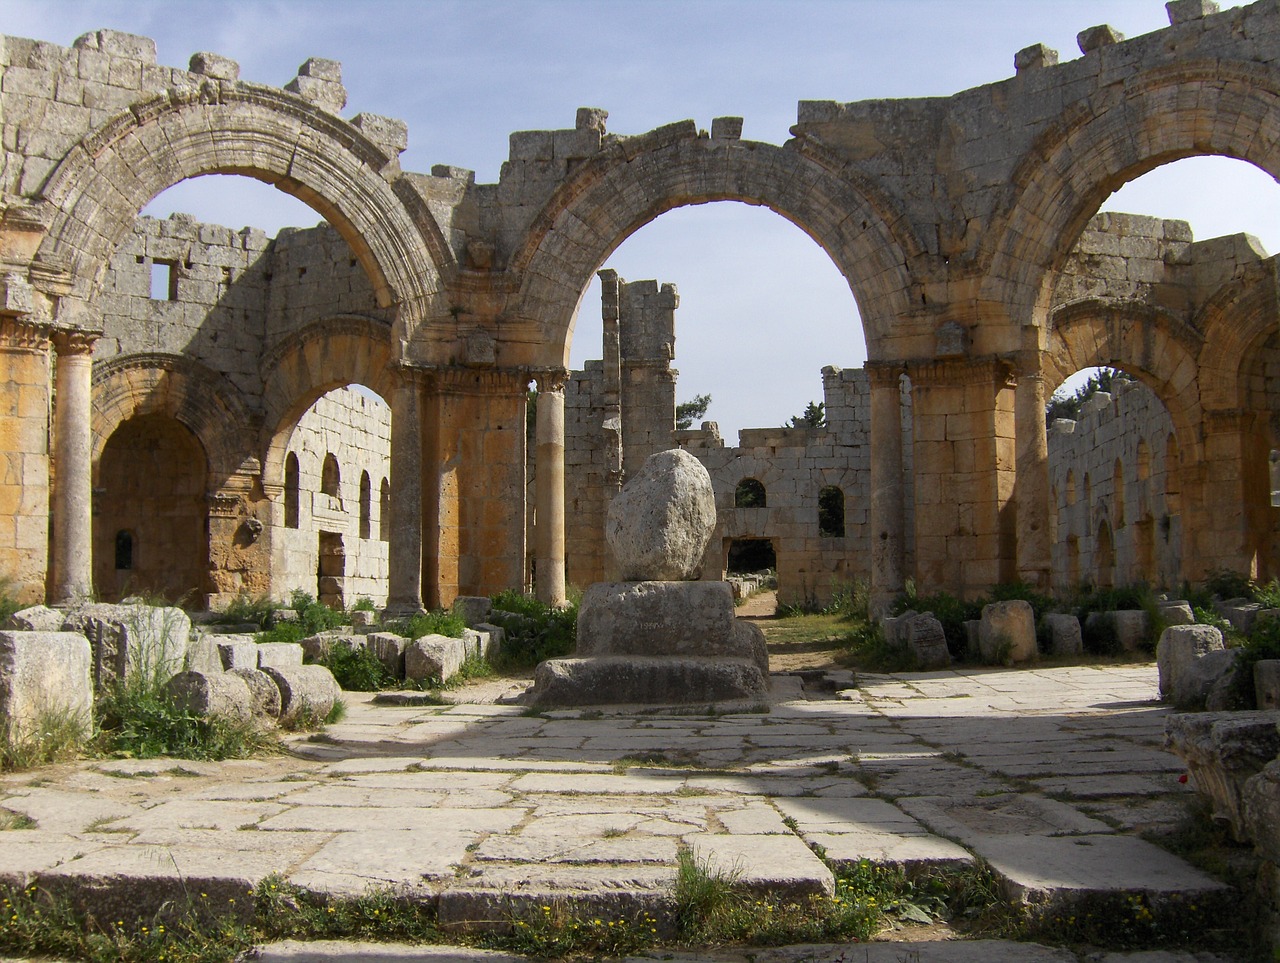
{"x": 762, "y": 605}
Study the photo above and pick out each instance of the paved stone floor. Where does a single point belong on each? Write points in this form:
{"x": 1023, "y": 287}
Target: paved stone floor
{"x": 1048, "y": 774}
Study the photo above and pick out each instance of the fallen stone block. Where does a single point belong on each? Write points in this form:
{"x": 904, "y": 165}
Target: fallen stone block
{"x": 472, "y": 608}
{"x": 304, "y": 690}
{"x": 1133, "y": 628}
{"x": 927, "y": 642}
{"x": 204, "y": 656}
{"x": 224, "y": 695}
{"x": 497, "y": 637}
{"x": 132, "y": 640}
{"x": 476, "y": 643}
{"x": 362, "y": 618}
{"x": 1241, "y": 613}
{"x": 751, "y": 639}
{"x": 278, "y": 654}
{"x": 316, "y": 647}
{"x": 1176, "y": 612}
{"x": 237, "y": 652}
{"x": 433, "y": 657}
{"x": 1065, "y": 637}
{"x": 607, "y": 680}
{"x": 37, "y": 618}
{"x": 388, "y": 648}
{"x": 264, "y": 694}
{"x": 1008, "y": 632}
{"x": 1179, "y": 649}
{"x": 44, "y": 676}
{"x": 1266, "y": 683}
{"x": 1223, "y": 750}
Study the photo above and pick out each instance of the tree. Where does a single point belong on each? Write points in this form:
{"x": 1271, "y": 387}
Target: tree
{"x": 815, "y": 416}
{"x": 687, "y": 412}
{"x": 1069, "y": 407}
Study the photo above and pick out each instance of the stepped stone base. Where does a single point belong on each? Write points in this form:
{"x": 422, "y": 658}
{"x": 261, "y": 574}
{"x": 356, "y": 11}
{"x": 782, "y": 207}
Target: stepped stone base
{"x": 647, "y": 680}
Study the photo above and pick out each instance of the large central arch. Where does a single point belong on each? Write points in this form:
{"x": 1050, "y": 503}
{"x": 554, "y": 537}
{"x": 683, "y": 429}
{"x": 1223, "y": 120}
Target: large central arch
{"x": 631, "y": 183}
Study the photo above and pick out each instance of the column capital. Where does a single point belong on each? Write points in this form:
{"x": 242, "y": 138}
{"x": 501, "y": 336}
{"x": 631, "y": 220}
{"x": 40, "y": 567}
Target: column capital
{"x": 455, "y": 379}
{"x": 74, "y": 341}
{"x": 939, "y": 372}
{"x": 884, "y": 374}
{"x": 551, "y": 379}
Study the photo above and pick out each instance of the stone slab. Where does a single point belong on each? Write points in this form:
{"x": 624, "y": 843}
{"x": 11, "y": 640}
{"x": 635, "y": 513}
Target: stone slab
{"x": 351, "y": 863}
{"x": 780, "y": 865}
{"x": 970, "y": 819}
{"x": 1056, "y": 871}
{"x": 617, "y": 680}
{"x": 909, "y": 853}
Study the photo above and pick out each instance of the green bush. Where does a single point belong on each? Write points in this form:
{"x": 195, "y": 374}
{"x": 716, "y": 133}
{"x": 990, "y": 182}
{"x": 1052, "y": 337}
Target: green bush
{"x": 256, "y": 610}
{"x": 437, "y": 622}
{"x": 1263, "y": 642}
{"x": 1226, "y": 584}
{"x": 313, "y": 617}
{"x": 540, "y": 632}
{"x": 357, "y": 669}
{"x": 8, "y": 599}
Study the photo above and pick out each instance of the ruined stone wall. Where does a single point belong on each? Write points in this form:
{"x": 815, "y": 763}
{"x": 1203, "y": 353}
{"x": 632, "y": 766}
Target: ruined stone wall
{"x": 211, "y": 309}
{"x": 356, "y": 430}
{"x": 1124, "y": 435}
{"x": 314, "y": 276}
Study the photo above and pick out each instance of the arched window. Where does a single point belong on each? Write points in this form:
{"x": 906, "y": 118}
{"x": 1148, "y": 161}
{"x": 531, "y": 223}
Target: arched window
{"x": 1071, "y": 488}
{"x": 384, "y": 511}
{"x": 291, "y": 486}
{"x": 124, "y": 550}
{"x": 749, "y": 494}
{"x": 1144, "y": 460}
{"x": 330, "y": 477}
{"x": 366, "y": 504}
{"x": 1117, "y": 482}
{"x": 831, "y": 512}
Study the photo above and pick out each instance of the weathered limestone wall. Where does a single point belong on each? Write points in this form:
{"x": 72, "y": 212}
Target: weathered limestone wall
{"x": 24, "y": 457}
{"x": 356, "y": 430}
{"x": 1116, "y": 511}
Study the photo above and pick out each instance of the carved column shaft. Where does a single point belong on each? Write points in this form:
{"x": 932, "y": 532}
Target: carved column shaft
{"x": 549, "y": 482}
{"x": 72, "y": 458}
{"x": 1032, "y": 499}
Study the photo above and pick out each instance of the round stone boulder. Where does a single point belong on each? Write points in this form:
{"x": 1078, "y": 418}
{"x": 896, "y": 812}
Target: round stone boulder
{"x": 305, "y": 691}
{"x": 658, "y": 526}
{"x": 220, "y": 694}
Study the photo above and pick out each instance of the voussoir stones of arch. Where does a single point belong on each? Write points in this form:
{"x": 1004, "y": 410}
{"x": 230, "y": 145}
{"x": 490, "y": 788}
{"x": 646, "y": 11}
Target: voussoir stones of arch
{"x": 658, "y": 526}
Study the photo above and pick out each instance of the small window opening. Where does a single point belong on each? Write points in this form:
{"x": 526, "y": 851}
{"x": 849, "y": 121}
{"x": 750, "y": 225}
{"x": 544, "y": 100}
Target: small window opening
{"x": 831, "y": 512}
{"x": 330, "y": 477}
{"x": 749, "y": 494}
{"x": 124, "y": 550}
{"x": 366, "y": 504}
{"x": 384, "y": 511}
{"x": 164, "y": 280}
{"x": 291, "y": 487}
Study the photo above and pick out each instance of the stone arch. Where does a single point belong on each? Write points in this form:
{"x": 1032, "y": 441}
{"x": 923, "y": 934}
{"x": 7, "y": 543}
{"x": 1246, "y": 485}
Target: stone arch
{"x": 750, "y": 493}
{"x": 318, "y": 358}
{"x": 96, "y": 191}
{"x": 1237, "y": 321}
{"x": 635, "y": 180}
{"x": 1157, "y": 349}
{"x": 1192, "y": 108}
{"x": 201, "y": 399}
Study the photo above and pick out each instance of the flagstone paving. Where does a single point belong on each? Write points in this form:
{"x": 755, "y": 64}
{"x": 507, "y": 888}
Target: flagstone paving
{"x": 1044, "y": 773}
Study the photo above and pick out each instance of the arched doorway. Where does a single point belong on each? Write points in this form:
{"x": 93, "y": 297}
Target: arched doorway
{"x": 150, "y": 512}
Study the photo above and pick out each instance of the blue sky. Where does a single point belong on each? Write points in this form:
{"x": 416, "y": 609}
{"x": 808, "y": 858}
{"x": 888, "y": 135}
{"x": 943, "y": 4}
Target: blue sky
{"x": 761, "y": 305}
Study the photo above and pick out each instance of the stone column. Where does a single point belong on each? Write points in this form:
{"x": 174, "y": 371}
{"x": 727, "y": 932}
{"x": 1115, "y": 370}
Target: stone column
{"x": 73, "y": 467}
{"x": 24, "y": 454}
{"x": 404, "y": 563}
{"x": 1032, "y": 501}
{"x": 887, "y": 503}
{"x": 549, "y": 482}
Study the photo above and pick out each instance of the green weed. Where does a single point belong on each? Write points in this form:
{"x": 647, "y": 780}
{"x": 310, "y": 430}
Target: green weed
{"x": 56, "y": 735}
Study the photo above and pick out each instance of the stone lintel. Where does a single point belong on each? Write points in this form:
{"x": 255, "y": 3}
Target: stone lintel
{"x": 726, "y": 128}
{"x": 214, "y": 65}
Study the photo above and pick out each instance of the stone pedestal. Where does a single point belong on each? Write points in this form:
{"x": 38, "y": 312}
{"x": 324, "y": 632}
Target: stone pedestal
{"x": 657, "y": 643}
{"x": 654, "y": 639}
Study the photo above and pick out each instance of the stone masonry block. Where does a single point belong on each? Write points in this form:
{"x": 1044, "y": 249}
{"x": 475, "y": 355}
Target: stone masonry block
{"x": 215, "y": 66}
{"x": 1266, "y": 683}
{"x": 387, "y": 132}
{"x": 1184, "y": 11}
{"x": 435, "y": 657}
{"x": 1093, "y": 38}
{"x": 1008, "y": 632}
{"x": 1034, "y": 57}
{"x": 43, "y": 674}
